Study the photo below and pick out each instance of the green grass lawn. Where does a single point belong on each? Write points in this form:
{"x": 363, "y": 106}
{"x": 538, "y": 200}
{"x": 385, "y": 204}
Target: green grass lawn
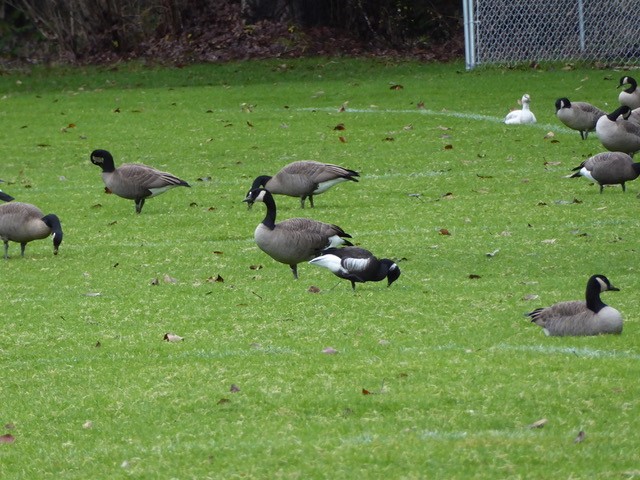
{"x": 455, "y": 374}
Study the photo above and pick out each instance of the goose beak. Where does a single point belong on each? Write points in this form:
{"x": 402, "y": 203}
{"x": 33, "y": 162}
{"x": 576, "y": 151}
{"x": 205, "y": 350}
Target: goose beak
{"x": 613, "y": 289}
{"x": 249, "y": 203}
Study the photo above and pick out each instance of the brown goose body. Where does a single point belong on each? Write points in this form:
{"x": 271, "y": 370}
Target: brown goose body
{"x": 304, "y": 179}
{"x": 22, "y": 223}
{"x": 608, "y": 168}
{"x": 577, "y": 318}
{"x": 134, "y": 181}
{"x": 579, "y": 116}
{"x": 294, "y": 240}
{"x": 630, "y": 96}
{"x": 618, "y": 134}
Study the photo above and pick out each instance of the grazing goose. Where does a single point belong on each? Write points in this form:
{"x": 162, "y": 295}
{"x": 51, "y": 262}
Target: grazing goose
{"x": 592, "y": 317}
{"x": 619, "y": 134}
{"x": 525, "y": 115}
{"x": 135, "y": 181}
{"x": 357, "y": 265}
{"x": 305, "y": 179}
{"x": 4, "y": 197}
{"x": 295, "y": 240}
{"x": 23, "y": 223}
{"x": 608, "y": 168}
{"x": 630, "y": 96}
{"x": 579, "y": 116}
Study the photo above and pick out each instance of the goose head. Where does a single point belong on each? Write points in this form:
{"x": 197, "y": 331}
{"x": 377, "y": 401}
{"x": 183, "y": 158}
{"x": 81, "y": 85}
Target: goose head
{"x": 526, "y": 99}
{"x": 562, "y": 103}
{"x": 603, "y": 283}
{"x": 394, "y": 271}
{"x": 103, "y": 159}
{"x": 255, "y": 195}
{"x": 53, "y": 222}
{"x": 628, "y": 81}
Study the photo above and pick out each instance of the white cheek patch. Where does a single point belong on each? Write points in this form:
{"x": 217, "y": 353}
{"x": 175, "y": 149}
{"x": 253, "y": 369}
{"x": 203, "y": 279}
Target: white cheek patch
{"x": 603, "y": 286}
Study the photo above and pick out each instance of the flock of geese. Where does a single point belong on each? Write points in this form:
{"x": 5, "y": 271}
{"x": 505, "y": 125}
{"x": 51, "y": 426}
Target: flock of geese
{"x": 298, "y": 240}
{"x": 619, "y": 133}
{"x": 290, "y": 242}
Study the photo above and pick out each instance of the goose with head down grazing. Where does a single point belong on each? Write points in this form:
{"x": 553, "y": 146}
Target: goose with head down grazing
{"x": 525, "y": 115}
{"x": 608, "y": 168}
{"x": 23, "y": 223}
{"x": 357, "y": 265}
{"x": 630, "y": 96}
{"x": 616, "y": 133}
{"x": 575, "y": 318}
{"x": 134, "y": 181}
{"x": 294, "y": 240}
{"x": 304, "y": 179}
{"x": 579, "y": 116}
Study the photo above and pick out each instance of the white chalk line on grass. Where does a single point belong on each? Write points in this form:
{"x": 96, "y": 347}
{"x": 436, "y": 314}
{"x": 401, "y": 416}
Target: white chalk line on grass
{"x": 442, "y": 113}
{"x": 581, "y": 352}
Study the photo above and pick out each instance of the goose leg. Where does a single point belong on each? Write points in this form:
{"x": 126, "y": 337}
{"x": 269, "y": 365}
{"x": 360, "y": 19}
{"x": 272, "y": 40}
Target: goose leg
{"x": 624, "y": 189}
{"x": 139, "y": 204}
{"x": 311, "y": 200}
{"x": 302, "y": 199}
{"x": 294, "y": 270}
{"x": 353, "y": 285}
{"x": 22, "y": 247}
{"x": 601, "y": 188}
{"x": 583, "y": 135}
{"x": 6, "y": 249}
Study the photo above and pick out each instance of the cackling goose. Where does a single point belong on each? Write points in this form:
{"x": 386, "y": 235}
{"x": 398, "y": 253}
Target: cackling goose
{"x": 579, "y": 116}
{"x": 23, "y": 223}
{"x": 134, "y": 181}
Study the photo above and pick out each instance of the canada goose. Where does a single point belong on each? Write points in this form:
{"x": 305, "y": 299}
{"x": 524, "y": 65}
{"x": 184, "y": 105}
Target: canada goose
{"x": 608, "y": 168}
{"x": 134, "y": 181}
{"x": 294, "y": 240}
{"x": 4, "y": 197}
{"x": 525, "y": 115}
{"x": 579, "y": 116}
{"x": 357, "y": 265}
{"x": 619, "y": 134}
{"x": 23, "y": 223}
{"x": 630, "y": 96}
{"x": 304, "y": 179}
{"x": 592, "y": 317}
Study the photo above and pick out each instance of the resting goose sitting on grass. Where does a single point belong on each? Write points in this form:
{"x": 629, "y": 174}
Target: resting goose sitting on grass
{"x": 517, "y": 117}
{"x": 575, "y": 318}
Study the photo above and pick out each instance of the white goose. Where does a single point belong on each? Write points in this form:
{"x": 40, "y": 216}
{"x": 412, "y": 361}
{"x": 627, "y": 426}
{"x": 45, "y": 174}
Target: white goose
{"x": 525, "y": 115}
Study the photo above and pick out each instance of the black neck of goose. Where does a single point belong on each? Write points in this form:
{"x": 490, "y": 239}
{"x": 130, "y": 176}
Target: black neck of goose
{"x": 632, "y": 85}
{"x": 594, "y": 303}
{"x": 383, "y": 269}
{"x": 53, "y": 222}
{"x": 270, "y": 218}
{"x": 260, "y": 181}
{"x": 613, "y": 116}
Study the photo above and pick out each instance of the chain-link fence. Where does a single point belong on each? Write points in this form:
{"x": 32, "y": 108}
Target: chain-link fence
{"x": 517, "y": 31}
